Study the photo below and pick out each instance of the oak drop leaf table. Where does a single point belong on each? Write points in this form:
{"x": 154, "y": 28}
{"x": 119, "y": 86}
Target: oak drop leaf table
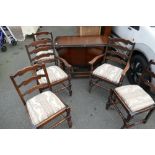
{"x": 79, "y": 50}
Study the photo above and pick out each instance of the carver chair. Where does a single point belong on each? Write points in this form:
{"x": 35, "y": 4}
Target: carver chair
{"x": 116, "y": 62}
{"x": 42, "y": 107}
{"x": 134, "y": 99}
{"x": 59, "y": 71}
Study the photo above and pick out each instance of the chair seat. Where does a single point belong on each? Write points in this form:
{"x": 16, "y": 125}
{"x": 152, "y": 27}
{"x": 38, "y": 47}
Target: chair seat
{"x": 55, "y": 73}
{"x": 42, "y": 106}
{"x": 45, "y": 52}
{"x": 134, "y": 97}
{"x": 109, "y": 72}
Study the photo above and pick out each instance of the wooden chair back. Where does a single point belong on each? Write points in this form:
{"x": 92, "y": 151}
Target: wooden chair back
{"x": 119, "y": 51}
{"x": 42, "y": 35}
{"x": 39, "y": 46}
{"x": 24, "y": 87}
{"x": 146, "y": 79}
{"x": 40, "y": 43}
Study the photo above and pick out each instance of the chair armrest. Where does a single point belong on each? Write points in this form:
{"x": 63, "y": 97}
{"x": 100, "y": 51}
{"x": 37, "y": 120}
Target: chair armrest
{"x": 94, "y": 60}
{"x": 66, "y": 64}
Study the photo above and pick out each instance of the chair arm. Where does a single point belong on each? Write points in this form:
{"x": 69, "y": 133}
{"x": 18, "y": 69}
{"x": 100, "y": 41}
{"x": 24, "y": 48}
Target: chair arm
{"x": 66, "y": 64}
{"x": 94, "y": 60}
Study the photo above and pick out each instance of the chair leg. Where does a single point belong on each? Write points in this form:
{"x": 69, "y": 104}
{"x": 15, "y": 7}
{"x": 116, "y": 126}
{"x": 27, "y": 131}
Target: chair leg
{"x": 126, "y": 121}
{"x": 70, "y": 87}
{"x": 148, "y": 116}
{"x": 69, "y": 120}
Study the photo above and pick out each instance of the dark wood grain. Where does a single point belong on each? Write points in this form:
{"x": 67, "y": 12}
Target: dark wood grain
{"x": 79, "y": 50}
{"x": 80, "y": 41}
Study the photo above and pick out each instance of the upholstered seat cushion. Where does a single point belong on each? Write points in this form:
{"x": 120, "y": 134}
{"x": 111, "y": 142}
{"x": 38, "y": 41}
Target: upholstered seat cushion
{"x": 55, "y": 73}
{"x": 109, "y": 72}
{"x": 134, "y": 97}
{"x": 42, "y": 106}
{"x": 45, "y": 52}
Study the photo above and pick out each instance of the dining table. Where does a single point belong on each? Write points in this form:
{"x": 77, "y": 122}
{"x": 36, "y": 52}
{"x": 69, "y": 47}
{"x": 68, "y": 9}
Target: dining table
{"x": 79, "y": 50}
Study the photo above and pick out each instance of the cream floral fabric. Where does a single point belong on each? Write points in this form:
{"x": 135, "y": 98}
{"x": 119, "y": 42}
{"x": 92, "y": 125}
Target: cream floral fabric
{"x": 109, "y": 72}
{"x": 45, "y": 52}
{"x": 42, "y": 106}
{"x": 135, "y": 97}
{"x": 55, "y": 73}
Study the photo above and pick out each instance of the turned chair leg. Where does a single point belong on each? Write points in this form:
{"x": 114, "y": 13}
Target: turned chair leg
{"x": 70, "y": 88}
{"x": 69, "y": 120}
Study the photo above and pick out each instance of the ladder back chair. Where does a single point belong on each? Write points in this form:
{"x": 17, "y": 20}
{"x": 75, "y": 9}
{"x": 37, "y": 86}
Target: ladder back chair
{"x": 134, "y": 99}
{"x": 42, "y": 49}
{"x": 58, "y": 69}
{"x": 30, "y": 49}
{"x": 116, "y": 62}
{"x": 42, "y": 35}
{"x": 42, "y": 107}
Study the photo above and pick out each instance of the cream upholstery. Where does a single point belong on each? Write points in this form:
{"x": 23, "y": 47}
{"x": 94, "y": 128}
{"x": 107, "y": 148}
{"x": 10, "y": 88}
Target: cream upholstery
{"x": 109, "y": 72}
{"x": 134, "y": 97}
{"x": 42, "y": 106}
{"x": 55, "y": 73}
{"x": 45, "y": 52}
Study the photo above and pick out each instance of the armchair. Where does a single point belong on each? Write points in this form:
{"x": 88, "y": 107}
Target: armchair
{"x": 55, "y": 65}
{"x": 116, "y": 62}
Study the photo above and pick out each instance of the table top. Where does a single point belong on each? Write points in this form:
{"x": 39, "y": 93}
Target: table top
{"x": 80, "y": 41}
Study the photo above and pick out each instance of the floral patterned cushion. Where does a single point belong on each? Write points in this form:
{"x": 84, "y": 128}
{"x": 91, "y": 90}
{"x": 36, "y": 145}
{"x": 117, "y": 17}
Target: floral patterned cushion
{"x": 109, "y": 72}
{"x": 55, "y": 73}
{"x": 134, "y": 97}
{"x": 42, "y": 106}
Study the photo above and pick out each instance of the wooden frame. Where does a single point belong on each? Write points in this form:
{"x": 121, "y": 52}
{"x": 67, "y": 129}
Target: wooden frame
{"x": 45, "y": 45}
{"x": 115, "y": 98}
{"x": 37, "y": 46}
{"x": 38, "y": 87}
{"x": 42, "y": 35}
{"x": 116, "y": 53}
{"x": 79, "y": 50}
